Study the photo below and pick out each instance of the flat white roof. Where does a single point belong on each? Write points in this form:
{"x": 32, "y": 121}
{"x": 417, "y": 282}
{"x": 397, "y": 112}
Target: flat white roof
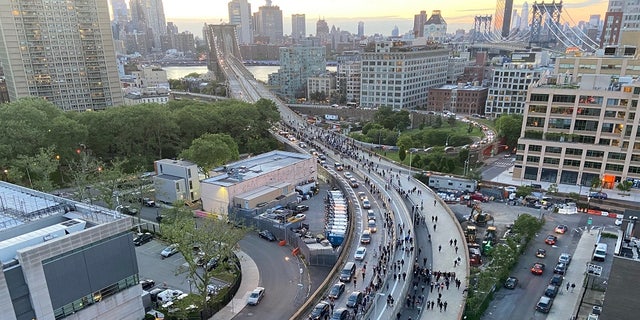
{"x": 254, "y": 167}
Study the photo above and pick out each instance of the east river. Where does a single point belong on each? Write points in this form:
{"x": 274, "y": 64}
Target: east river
{"x": 260, "y": 72}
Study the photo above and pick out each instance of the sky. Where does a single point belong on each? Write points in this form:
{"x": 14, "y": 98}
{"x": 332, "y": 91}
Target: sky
{"x": 379, "y": 16}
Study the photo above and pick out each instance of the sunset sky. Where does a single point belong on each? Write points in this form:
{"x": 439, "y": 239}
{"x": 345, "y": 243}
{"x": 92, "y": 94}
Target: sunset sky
{"x": 380, "y": 16}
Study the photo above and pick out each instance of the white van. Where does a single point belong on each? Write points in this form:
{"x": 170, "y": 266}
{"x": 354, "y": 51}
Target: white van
{"x": 601, "y": 252}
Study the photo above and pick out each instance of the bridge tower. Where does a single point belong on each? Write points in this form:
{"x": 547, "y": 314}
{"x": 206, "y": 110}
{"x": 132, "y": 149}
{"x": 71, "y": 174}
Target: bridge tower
{"x": 481, "y": 28}
{"x": 545, "y": 23}
{"x": 222, "y": 42}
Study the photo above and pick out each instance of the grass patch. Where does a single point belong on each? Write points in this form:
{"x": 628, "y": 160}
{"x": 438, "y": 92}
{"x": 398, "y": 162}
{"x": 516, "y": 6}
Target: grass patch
{"x": 609, "y": 235}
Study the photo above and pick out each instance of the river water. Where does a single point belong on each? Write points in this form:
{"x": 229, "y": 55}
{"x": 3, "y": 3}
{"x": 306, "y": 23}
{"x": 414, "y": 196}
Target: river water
{"x": 260, "y": 72}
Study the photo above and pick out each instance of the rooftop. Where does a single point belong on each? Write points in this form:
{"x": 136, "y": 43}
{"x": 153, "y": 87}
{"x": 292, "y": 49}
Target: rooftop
{"x": 461, "y": 87}
{"x": 254, "y": 167}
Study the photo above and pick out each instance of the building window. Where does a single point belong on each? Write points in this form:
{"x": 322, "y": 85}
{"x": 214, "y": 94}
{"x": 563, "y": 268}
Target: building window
{"x": 614, "y": 167}
{"x": 572, "y": 163}
{"x": 535, "y": 148}
{"x": 548, "y": 160}
{"x": 573, "y": 151}
{"x": 539, "y": 97}
{"x": 593, "y": 165}
{"x": 533, "y": 159}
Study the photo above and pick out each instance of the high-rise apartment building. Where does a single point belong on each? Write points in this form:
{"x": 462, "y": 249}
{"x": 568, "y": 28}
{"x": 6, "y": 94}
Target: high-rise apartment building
{"x": 622, "y": 16}
{"x": 322, "y": 31}
{"x": 148, "y": 16}
{"x": 297, "y": 64}
{"x": 298, "y": 26}
{"x": 240, "y": 15}
{"x": 64, "y": 54}
{"x": 268, "y": 23}
{"x": 502, "y": 18}
{"x": 397, "y": 74}
{"x": 120, "y": 11}
{"x": 509, "y": 83}
{"x": 524, "y": 16}
{"x": 360, "y": 29}
{"x": 418, "y": 24}
{"x": 573, "y": 133}
{"x": 348, "y": 75}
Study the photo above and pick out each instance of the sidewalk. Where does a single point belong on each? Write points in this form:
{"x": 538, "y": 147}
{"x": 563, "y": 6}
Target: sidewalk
{"x": 566, "y": 302}
{"x": 250, "y": 280}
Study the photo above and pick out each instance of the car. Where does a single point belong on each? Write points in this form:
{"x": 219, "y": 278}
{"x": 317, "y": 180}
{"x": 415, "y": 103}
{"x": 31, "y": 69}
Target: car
{"x": 561, "y": 229}
{"x": 128, "y": 210}
{"x": 354, "y": 300}
{"x": 353, "y": 183}
{"x": 551, "y": 291}
{"x": 348, "y": 175}
{"x": 366, "y": 237}
{"x": 541, "y": 253}
{"x": 561, "y": 268}
{"x": 301, "y": 208}
{"x": 362, "y": 195}
{"x": 366, "y": 204}
{"x": 338, "y": 166}
{"x": 297, "y": 217}
{"x": 321, "y": 310}
{"x": 537, "y": 268}
{"x": 142, "y": 238}
{"x": 511, "y": 283}
{"x": 336, "y": 290}
{"x": 510, "y": 189}
{"x": 565, "y": 258}
{"x": 302, "y": 145}
{"x": 557, "y": 280}
{"x": 169, "y": 251}
{"x": 371, "y": 215}
{"x": 507, "y": 155}
{"x": 212, "y": 264}
{"x": 341, "y": 314}
{"x": 618, "y": 222}
{"x": 147, "y": 284}
{"x": 147, "y": 202}
{"x": 360, "y": 253}
{"x": 267, "y": 235}
{"x": 598, "y": 195}
{"x": 372, "y": 226}
{"x": 322, "y": 157}
{"x": 544, "y": 304}
{"x": 256, "y": 296}
{"x": 551, "y": 240}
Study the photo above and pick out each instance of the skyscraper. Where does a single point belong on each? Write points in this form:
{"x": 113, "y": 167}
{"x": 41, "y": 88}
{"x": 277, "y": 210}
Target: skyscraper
{"x": 240, "y": 15}
{"x": 360, "y": 29}
{"x": 268, "y": 23}
{"x": 64, "y": 54}
{"x": 120, "y": 11}
{"x": 298, "y": 26}
{"x": 524, "y": 19}
{"x": 418, "y": 24}
{"x": 148, "y": 16}
{"x": 502, "y": 19}
{"x": 322, "y": 31}
{"x": 621, "y": 18}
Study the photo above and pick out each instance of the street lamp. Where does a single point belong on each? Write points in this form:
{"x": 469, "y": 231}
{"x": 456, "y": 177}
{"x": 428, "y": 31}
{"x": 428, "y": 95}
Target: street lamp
{"x": 446, "y": 143}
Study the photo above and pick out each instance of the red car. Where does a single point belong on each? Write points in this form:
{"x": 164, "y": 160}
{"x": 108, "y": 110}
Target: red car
{"x": 551, "y": 240}
{"x": 561, "y": 229}
{"x": 537, "y": 268}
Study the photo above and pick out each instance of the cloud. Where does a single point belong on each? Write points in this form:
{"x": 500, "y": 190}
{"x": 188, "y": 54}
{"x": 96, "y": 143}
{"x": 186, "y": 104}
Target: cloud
{"x": 582, "y": 4}
{"x": 476, "y": 10}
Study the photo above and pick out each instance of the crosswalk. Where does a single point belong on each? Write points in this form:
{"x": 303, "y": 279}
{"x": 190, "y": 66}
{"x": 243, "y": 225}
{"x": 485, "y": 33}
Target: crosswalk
{"x": 504, "y": 163}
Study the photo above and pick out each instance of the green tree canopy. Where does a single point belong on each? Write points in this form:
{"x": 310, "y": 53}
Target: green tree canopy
{"x": 509, "y": 127}
{"x": 211, "y": 150}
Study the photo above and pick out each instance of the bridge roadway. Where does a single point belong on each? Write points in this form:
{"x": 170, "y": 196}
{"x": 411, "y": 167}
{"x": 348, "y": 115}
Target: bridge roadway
{"x": 244, "y": 87}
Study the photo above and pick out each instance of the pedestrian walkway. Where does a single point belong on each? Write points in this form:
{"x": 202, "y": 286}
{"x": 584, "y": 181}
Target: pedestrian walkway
{"x": 567, "y": 301}
{"x": 250, "y": 280}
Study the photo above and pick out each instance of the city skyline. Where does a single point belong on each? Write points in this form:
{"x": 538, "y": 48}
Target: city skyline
{"x": 379, "y": 18}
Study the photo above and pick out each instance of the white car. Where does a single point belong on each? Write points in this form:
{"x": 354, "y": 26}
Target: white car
{"x": 360, "y": 253}
{"x": 510, "y": 189}
{"x": 256, "y": 295}
{"x": 169, "y": 251}
{"x": 618, "y": 222}
{"x": 348, "y": 175}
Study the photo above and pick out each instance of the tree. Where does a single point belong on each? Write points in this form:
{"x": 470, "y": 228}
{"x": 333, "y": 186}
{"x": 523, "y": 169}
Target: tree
{"x": 211, "y": 150}
{"x": 35, "y": 171}
{"x": 624, "y": 186}
{"x": 596, "y": 184}
{"x": 109, "y": 180}
{"x": 524, "y": 191}
{"x": 553, "y": 188}
{"x": 83, "y": 169}
{"x": 402, "y": 153}
{"x": 509, "y": 127}
{"x": 213, "y": 238}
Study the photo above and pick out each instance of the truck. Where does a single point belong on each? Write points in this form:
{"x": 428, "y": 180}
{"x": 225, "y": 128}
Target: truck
{"x": 452, "y": 183}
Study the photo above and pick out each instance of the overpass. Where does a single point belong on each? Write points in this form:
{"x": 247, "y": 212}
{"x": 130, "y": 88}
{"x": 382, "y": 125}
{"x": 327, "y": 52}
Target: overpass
{"x": 227, "y": 63}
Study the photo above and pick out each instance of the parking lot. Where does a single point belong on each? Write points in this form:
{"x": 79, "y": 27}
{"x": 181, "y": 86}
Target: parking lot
{"x": 165, "y": 272}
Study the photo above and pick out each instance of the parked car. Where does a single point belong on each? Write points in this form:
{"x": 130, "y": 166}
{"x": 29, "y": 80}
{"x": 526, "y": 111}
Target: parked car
{"x": 565, "y": 258}
{"x": 598, "y": 195}
{"x": 256, "y": 296}
{"x": 551, "y": 240}
{"x": 147, "y": 284}
{"x": 169, "y": 251}
{"x": 557, "y": 280}
{"x": 561, "y": 228}
{"x": 537, "y": 268}
{"x": 128, "y": 210}
{"x": 267, "y": 235}
{"x": 618, "y": 222}
{"x": 360, "y": 253}
{"x": 300, "y": 208}
{"x": 337, "y": 290}
{"x": 511, "y": 283}
{"x": 541, "y": 253}
{"x": 544, "y": 304}
{"x": 560, "y": 268}
{"x": 321, "y": 310}
{"x": 147, "y": 202}
{"x": 212, "y": 264}
{"x": 354, "y": 300}
{"x": 551, "y": 291}
{"x": 142, "y": 238}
